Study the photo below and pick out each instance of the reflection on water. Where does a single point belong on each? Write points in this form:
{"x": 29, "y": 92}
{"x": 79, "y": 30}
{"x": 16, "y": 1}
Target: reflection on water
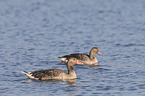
{"x": 70, "y": 82}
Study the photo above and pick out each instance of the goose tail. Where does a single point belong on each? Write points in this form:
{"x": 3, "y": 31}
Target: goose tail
{"x": 62, "y": 58}
{"x": 28, "y": 74}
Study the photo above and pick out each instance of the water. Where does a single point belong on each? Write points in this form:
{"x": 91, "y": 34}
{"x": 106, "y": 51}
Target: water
{"x": 33, "y": 33}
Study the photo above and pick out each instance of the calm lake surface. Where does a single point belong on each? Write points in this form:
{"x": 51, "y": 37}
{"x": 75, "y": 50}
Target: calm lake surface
{"x": 34, "y": 32}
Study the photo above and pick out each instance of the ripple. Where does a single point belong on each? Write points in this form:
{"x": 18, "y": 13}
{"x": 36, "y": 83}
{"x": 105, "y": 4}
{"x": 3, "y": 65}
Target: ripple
{"x": 141, "y": 86}
{"x": 129, "y": 45}
{"x": 104, "y": 88}
{"x": 127, "y": 57}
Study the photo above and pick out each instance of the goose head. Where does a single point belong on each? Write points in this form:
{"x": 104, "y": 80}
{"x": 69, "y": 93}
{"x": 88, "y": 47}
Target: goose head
{"x": 96, "y": 50}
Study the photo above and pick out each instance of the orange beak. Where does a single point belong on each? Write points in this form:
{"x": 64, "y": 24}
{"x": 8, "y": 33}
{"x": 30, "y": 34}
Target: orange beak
{"x": 99, "y": 52}
{"x": 78, "y": 62}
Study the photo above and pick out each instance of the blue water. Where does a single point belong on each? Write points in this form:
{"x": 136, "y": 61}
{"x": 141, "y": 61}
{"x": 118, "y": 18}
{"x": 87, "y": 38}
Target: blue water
{"x": 34, "y": 32}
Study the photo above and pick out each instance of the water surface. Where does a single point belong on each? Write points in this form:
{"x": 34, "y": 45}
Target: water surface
{"x": 33, "y": 33}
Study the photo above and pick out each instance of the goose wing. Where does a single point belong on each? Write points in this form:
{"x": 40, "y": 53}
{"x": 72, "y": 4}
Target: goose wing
{"x": 47, "y": 74}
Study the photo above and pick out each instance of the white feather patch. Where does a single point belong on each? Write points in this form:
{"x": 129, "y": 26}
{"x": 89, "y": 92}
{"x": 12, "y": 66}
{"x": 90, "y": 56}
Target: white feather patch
{"x": 29, "y": 74}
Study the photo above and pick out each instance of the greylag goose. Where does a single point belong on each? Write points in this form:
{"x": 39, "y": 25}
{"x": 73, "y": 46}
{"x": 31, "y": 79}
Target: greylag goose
{"x": 54, "y": 73}
{"x": 83, "y": 58}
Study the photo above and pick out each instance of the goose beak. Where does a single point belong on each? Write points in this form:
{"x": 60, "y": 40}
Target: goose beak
{"x": 78, "y": 62}
{"x": 99, "y": 52}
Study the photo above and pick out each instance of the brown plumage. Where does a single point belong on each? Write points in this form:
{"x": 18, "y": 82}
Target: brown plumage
{"x": 54, "y": 73}
{"x": 83, "y": 58}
